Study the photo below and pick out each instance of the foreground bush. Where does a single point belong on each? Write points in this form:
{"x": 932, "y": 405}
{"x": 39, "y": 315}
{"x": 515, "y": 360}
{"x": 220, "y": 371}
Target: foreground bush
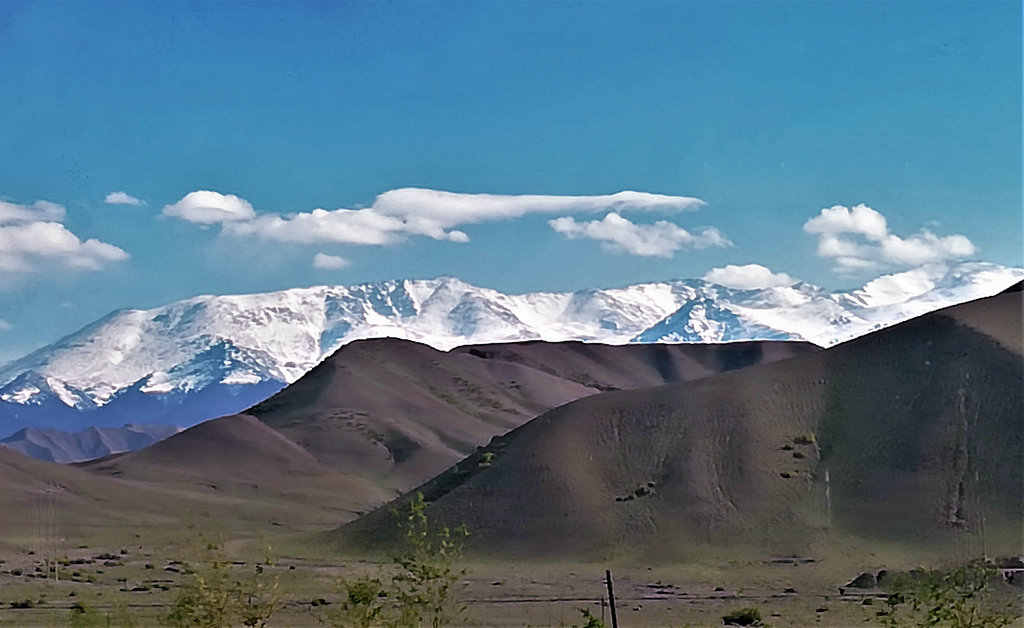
{"x": 955, "y": 598}
{"x": 219, "y": 596}
{"x": 419, "y": 589}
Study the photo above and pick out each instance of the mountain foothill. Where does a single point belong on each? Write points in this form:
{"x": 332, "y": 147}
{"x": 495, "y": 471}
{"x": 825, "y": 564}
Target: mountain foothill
{"x": 909, "y": 436}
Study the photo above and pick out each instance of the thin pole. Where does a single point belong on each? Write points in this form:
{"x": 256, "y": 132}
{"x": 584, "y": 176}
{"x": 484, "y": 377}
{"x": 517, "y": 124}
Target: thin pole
{"x": 828, "y": 500}
{"x": 611, "y": 597}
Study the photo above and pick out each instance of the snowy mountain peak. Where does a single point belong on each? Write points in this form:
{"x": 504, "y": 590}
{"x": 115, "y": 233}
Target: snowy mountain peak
{"x": 228, "y": 350}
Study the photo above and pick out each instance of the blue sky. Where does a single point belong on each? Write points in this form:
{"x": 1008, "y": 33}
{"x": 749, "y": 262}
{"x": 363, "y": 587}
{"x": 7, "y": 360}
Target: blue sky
{"x": 767, "y": 113}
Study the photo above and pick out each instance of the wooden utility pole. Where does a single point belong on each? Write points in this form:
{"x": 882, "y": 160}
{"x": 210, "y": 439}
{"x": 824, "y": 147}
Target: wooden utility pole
{"x": 611, "y": 597}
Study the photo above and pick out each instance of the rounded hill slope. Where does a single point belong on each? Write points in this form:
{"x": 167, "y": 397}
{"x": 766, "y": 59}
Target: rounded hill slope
{"x": 911, "y": 436}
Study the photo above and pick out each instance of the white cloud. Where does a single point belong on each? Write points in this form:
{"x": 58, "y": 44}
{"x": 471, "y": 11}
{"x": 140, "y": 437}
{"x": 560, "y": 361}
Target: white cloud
{"x": 450, "y": 208}
{"x": 323, "y": 261}
{"x": 343, "y": 226}
{"x": 206, "y": 207}
{"x": 5, "y": 326}
{"x": 12, "y": 213}
{"x": 661, "y": 239}
{"x": 839, "y": 219}
{"x": 748, "y": 277}
{"x": 123, "y": 198}
{"x": 858, "y": 238}
{"x": 32, "y": 238}
{"x": 397, "y": 214}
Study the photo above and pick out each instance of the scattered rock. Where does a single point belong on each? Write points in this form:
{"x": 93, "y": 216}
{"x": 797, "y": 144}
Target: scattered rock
{"x": 1010, "y": 562}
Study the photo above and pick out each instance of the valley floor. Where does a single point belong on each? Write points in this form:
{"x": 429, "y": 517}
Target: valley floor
{"x": 141, "y": 585}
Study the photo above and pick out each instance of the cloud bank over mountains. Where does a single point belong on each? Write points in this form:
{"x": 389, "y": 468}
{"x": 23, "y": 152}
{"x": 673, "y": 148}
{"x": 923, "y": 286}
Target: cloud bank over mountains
{"x": 398, "y": 214}
{"x": 858, "y": 238}
{"x": 748, "y": 277}
{"x": 661, "y": 239}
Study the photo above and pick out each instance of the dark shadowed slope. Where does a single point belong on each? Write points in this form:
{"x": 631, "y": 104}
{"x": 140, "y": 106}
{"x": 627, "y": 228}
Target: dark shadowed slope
{"x": 919, "y": 430}
{"x": 401, "y": 412}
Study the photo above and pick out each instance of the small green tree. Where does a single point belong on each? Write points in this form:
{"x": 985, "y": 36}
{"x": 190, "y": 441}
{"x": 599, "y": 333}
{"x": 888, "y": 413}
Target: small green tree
{"x": 362, "y": 604}
{"x": 419, "y": 590}
{"x": 217, "y": 596}
{"x": 422, "y": 587}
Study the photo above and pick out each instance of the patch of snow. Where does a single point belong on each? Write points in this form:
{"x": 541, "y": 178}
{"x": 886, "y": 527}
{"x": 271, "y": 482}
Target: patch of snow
{"x": 61, "y": 390}
{"x": 22, "y": 396}
{"x": 241, "y": 378}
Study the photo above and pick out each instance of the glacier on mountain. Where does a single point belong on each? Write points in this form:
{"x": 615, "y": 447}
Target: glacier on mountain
{"x": 211, "y": 355}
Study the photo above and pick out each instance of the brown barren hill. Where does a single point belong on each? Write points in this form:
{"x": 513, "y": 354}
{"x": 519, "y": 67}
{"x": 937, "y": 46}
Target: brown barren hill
{"x": 154, "y": 498}
{"x": 400, "y": 412}
{"x": 85, "y": 501}
{"x": 910, "y": 437}
{"x": 239, "y": 459}
{"x": 386, "y": 414}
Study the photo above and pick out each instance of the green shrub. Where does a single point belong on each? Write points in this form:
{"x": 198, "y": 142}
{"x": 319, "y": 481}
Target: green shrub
{"x": 589, "y": 620}
{"x": 805, "y": 439}
{"x": 218, "y": 596}
{"x": 748, "y": 616}
{"x": 957, "y": 598}
{"x": 362, "y": 604}
{"x": 419, "y": 590}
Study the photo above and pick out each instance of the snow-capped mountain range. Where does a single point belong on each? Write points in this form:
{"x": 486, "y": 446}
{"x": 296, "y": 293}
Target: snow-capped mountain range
{"x": 212, "y": 355}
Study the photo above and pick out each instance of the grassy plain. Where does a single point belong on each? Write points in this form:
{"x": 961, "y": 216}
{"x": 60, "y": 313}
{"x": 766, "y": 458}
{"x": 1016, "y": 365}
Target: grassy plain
{"x": 140, "y": 578}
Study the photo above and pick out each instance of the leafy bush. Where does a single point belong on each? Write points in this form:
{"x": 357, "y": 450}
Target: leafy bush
{"x": 216, "y": 596}
{"x": 957, "y": 598}
{"x": 418, "y": 591}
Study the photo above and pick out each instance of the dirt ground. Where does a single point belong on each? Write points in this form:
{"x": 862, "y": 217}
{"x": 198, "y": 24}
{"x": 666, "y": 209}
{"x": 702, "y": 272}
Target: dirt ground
{"x": 142, "y": 586}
